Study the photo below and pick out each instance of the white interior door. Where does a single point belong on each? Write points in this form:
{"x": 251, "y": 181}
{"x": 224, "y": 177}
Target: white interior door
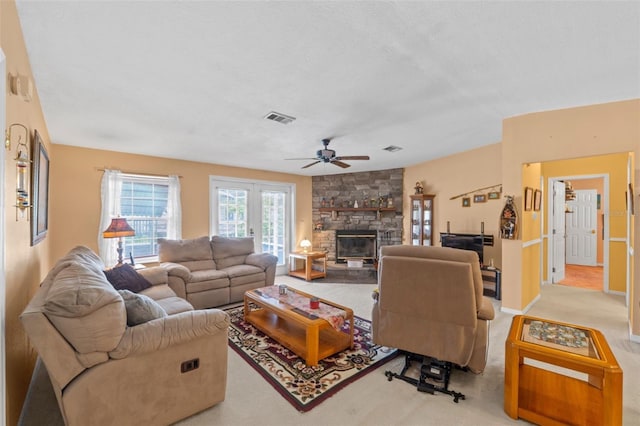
{"x": 558, "y": 232}
{"x": 582, "y": 228}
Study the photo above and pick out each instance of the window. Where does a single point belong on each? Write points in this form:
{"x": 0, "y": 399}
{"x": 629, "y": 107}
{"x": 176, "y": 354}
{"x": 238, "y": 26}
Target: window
{"x": 151, "y": 205}
{"x": 144, "y": 203}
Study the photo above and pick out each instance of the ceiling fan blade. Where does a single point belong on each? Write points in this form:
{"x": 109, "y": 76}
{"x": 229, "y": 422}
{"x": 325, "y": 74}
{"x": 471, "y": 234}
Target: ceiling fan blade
{"x": 310, "y": 164}
{"x": 305, "y": 158}
{"x": 340, "y": 164}
{"x": 353, "y": 157}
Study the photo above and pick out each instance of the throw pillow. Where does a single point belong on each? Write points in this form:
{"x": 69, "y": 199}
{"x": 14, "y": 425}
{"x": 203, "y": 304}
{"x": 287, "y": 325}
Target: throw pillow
{"x": 124, "y": 277}
{"x": 140, "y": 308}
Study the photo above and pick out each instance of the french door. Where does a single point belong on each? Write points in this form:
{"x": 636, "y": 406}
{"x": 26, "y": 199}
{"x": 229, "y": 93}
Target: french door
{"x": 262, "y": 210}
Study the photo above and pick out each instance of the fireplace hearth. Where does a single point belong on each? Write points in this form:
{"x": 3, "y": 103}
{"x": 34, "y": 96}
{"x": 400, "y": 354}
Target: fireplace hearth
{"x": 356, "y": 244}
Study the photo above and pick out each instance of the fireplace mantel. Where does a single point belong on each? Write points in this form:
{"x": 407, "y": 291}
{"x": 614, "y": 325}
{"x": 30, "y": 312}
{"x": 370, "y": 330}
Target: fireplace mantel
{"x": 334, "y": 210}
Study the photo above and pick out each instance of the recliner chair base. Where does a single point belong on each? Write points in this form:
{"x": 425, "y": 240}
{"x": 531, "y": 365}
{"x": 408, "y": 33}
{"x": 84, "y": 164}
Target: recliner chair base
{"x": 431, "y": 369}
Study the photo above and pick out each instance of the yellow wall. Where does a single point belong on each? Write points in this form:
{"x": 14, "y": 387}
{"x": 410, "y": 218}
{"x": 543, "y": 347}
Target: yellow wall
{"x": 530, "y": 234}
{"x": 615, "y": 165}
{"x": 25, "y": 265}
{"x": 557, "y": 135}
{"x": 75, "y": 190}
{"x": 453, "y": 175}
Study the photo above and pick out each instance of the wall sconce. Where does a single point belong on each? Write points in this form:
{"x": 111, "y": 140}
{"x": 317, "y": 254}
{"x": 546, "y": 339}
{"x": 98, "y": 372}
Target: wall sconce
{"x": 305, "y": 244}
{"x": 23, "y": 166}
{"x": 7, "y": 135}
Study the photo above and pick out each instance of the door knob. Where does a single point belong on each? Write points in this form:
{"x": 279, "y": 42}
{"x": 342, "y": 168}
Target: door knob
{"x": 593, "y": 231}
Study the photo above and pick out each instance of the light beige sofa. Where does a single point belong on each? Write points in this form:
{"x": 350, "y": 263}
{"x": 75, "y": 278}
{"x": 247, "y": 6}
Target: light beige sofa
{"x": 209, "y": 273}
{"x": 431, "y": 303}
{"x": 107, "y": 373}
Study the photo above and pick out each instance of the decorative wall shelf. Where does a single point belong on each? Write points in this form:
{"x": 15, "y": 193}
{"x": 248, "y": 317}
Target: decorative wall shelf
{"x": 509, "y": 226}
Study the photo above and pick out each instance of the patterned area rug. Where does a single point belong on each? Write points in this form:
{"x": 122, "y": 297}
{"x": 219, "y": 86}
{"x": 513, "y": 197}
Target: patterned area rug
{"x": 306, "y": 387}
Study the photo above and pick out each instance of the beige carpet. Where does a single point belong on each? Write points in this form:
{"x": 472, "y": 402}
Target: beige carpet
{"x": 373, "y": 400}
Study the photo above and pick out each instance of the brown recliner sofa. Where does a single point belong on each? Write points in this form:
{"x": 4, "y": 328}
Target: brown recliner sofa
{"x": 431, "y": 303}
{"x": 209, "y": 273}
{"x": 105, "y": 372}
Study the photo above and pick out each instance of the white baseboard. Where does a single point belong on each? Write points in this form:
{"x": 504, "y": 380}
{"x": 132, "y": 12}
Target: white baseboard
{"x": 524, "y": 311}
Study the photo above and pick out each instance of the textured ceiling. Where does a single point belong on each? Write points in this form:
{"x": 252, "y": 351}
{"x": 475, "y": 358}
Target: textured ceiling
{"x": 193, "y": 80}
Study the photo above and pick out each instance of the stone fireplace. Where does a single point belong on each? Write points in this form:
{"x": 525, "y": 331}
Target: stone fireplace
{"x": 341, "y": 213}
{"x": 356, "y": 244}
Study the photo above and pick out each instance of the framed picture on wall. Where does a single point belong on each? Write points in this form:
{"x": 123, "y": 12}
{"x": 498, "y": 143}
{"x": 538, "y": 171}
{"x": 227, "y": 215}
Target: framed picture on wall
{"x": 537, "y": 200}
{"x": 494, "y": 195}
{"x": 40, "y": 191}
{"x": 528, "y": 198}
{"x": 466, "y": 202}
{"x": 480, "y": 198}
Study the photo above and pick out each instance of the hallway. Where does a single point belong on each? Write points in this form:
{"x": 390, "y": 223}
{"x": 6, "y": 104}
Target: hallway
{"x": 588, "y": 277}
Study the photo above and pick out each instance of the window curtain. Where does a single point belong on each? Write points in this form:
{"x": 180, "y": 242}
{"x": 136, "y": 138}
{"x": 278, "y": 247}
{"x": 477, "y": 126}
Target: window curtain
{"x": 174, "y": 209}
{"x": 110, "y": 194}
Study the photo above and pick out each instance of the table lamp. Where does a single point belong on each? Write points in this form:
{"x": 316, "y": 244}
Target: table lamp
{"x": 305, "y": 244}
{"x": 117, "y": 229}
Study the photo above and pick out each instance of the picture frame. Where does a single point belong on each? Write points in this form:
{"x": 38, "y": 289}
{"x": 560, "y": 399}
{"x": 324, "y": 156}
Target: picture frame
{"x": 528, "y": 198}
{"x": 466, "y": 202}
{"x": 537, "y": 200}
{"x": 40, "y": 191}
{"x": 493, "y": 195}
{"x": 480, "y": 198}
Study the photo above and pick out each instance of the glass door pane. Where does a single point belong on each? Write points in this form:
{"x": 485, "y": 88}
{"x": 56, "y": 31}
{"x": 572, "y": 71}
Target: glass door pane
{"x": 274, "y": 215}
{"x": 232, "y": 212}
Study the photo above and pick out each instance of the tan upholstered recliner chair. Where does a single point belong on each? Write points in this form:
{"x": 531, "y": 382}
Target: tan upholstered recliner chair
{"x": 105, "y": 372}
{"x": 430, "y": 306}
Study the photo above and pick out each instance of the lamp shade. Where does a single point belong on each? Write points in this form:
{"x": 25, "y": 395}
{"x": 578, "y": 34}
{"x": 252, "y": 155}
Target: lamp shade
{"x": 118, "y": 228}
{"x": 305, "y": 244}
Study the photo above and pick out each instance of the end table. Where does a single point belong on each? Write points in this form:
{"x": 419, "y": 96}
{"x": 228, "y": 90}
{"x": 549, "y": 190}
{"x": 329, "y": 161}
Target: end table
{"x": 307, "y": 272}
{"x": 538, "y": 392}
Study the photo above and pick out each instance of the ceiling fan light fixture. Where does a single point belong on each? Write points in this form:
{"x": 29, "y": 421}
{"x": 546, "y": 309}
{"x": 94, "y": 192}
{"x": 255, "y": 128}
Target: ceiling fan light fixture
{"x": 279, "y": 117}
{"x": 392, "y": 148}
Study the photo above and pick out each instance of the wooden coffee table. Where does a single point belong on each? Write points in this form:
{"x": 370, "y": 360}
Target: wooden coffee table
{"x": 307, "y": 335}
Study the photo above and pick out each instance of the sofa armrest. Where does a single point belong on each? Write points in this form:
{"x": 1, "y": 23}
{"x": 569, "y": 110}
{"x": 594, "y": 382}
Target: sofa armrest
{"x": 156, "y": 275}
{"x": 169, "y": 331}
{"x": 486, "y": 311}
{"x": 177, "y": 270}
{"x": 261, "y": 260}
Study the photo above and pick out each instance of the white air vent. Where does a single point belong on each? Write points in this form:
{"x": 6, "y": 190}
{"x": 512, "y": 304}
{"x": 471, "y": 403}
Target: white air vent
{"x": 280, "y": 118}
{"x": 392, "y": 148}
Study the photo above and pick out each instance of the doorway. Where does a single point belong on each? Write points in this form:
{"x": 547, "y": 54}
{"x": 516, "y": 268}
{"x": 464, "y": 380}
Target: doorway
{"x": 579, "y": 230}
{"x": 259, "y": 209}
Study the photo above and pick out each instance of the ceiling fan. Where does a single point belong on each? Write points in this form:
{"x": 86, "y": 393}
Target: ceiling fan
{"x": 327, "y": 155}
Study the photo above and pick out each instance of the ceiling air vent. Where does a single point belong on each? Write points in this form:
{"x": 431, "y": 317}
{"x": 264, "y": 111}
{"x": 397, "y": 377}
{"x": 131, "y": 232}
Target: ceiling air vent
{"x": 280, "y": 118}
{"x": 392, "y": 148}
